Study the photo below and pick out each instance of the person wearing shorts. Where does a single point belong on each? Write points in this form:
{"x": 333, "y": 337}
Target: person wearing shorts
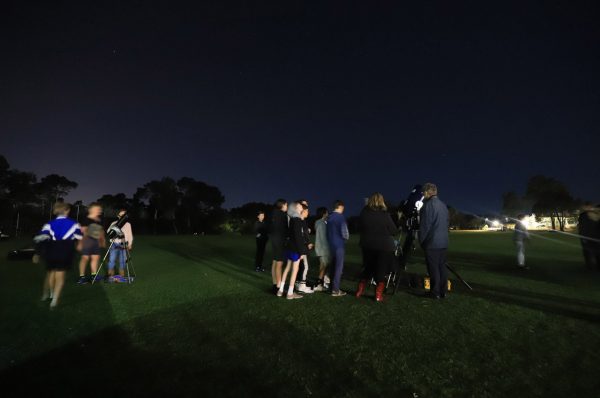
{"x": 57, "y": 238}
{"x": 278, "y": 226}
{"x": 92, "y": 243}
{"x": 296, "y": 247}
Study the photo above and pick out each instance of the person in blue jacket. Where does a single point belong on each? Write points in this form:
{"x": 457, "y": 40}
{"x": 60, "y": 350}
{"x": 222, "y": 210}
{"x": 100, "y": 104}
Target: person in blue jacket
{"x": 433, "y": 237}
{"x": 337, "y": 235}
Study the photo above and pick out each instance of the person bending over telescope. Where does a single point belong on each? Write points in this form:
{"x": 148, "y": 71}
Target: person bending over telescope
{"x": 122, "y": 240}
{"x": 433, "y": 237}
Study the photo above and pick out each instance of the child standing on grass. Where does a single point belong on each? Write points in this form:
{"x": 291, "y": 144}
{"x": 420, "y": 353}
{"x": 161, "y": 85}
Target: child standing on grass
{"x": 521, "y": 234}
{"x": 296, "y": 246}
{"x": 118, "y": 250}
{"x": 92, "y": 243}
{"x": 303, "y": 269}
{"x": 58, "y": 238}
{"x": 322, "y": 247}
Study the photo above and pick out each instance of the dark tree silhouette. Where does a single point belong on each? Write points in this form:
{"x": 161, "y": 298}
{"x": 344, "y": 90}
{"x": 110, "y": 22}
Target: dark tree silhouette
{"x": 550, "y": 197}
{"x": 52, "y": 188}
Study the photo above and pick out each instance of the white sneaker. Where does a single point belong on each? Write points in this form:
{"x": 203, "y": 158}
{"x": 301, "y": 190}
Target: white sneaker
{"x": 326, "y": 280}
{"x": 319, "y": 288}
{"x": 305, "y": 289}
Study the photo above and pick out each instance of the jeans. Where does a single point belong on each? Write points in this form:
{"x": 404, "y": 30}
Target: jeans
{"x": 117, "y": 252}
{"x": 338, "y": 267}
{"x": 436, "y": 268}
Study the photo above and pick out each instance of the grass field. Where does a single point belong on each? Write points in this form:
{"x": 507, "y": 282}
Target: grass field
{"x": 199, "y": 321}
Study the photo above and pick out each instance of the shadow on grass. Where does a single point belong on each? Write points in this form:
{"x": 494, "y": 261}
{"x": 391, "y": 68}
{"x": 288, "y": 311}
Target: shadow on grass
{"x": 195, "y": 349}
{"x": 577, "y": 309}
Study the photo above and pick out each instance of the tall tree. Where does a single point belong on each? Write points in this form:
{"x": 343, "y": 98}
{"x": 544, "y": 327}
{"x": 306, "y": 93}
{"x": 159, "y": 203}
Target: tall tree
{"x": 112, "y": 203}
{"x": 200, "y": 204}
{"x": 551, "y": 198}
{"x": 54, "y": 187}
{"x": 162, "y": 199}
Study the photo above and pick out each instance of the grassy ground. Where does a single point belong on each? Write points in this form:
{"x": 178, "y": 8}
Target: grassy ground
{"x": 199, "y": 322}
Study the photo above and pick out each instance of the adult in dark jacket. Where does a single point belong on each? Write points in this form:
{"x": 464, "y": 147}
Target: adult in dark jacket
{"x": 377, "y": 231}
{"x": 589, "y": 227}
{"x": 433, "y": 237}
{"x": 278, "y": 226}
{"x": 262, "y": 236}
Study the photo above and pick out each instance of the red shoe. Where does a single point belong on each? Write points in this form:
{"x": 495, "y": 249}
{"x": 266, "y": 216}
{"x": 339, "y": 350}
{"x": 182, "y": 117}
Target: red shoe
{"x": 361, "y": 287}
{"x": 379, "y": 291}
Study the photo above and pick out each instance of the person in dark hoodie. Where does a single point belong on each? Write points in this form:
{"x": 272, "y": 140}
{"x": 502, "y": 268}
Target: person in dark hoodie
{"x": 433, "y": 237}
{"x": 589, "y": 227}
{"x": 278, "y": 226}
{"x": 262, "y": 236}
{"x": 337, "y": 236}
{"x": 297, "y": 245}
{"x": 377, "y": 231}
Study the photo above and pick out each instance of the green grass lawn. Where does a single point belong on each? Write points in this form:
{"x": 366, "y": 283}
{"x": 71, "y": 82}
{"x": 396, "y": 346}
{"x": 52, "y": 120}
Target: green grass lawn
{"x": 199, "y": 321}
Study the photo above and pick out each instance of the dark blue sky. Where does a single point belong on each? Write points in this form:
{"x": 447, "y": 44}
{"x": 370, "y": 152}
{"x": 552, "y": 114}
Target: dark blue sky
{"x": 292, "y": 100}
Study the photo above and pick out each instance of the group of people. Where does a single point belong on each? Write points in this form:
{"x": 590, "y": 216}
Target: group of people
{"x": 288, "y": 232}
{"x": 61, "y": 237}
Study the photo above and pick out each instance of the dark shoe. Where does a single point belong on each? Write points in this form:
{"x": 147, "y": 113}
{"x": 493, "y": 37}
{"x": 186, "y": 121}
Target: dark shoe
{"x": 361, "y": 287}
{"x": 82, "y": 280}
{"x": 379, "y": 291}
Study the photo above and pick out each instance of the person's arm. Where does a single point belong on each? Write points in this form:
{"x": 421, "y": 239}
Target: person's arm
{"x": 127, "y": 231}
{"x": 298, "y": 235}
{"x": 425, "y": 224}
{"x": 344, "y": 230}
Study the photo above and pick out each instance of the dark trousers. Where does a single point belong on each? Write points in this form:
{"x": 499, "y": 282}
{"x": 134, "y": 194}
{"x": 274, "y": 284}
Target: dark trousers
{"x": 591, "y": 254}
{"x": 261, "y": 244}
{"x": 338, "y": 267}
{"x": 376, "y": 263}
{"x": 438, "y": 273}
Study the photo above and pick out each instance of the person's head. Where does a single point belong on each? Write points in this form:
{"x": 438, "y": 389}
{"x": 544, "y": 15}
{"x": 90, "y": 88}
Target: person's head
{"x": 303, "y": 202}
{"x": 322, "y": 212}
{"x": 429, "y": 190}
{"x": 294, "y": 210}
{"x": 122, "y": 212}
{"x": 338, "y": 206}
{"x": 304, "y": 213}
{"x": 94, "y": 210}
{"x": 521, "y": 217}
{"x": 61, "y": 209}
{"x": 261, "y": 216}
{"x": 376, "y": 202}
{"x": 281, "y": 205}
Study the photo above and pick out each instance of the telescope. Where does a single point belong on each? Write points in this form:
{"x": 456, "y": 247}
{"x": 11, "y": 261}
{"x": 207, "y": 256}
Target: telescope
{"x": 114, "y": 231}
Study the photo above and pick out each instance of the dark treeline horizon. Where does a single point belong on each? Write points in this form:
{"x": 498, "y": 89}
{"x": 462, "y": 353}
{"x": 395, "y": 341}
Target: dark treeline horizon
{"x": 189, "y": 206}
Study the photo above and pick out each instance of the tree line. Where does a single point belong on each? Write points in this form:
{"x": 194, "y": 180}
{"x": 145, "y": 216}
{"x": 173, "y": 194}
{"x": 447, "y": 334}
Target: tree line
{"x": 545, "y": 197}
{"x": 159, "y": 206}
{"x": 186, "y": 205}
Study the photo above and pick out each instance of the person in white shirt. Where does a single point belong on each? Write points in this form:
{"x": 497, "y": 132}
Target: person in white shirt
{"x": 118, "y": 250}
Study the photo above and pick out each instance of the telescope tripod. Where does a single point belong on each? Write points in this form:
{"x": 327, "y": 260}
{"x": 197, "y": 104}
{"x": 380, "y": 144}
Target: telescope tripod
{"x": 128, "y": 262}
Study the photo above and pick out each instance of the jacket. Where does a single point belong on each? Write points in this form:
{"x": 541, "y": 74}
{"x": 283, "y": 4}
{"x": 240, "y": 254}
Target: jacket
{"x": 433, "y": 230}
{"x": 337, "y": 231}
{"x": 377, "y": 230}
{"x": 298, "y": 239}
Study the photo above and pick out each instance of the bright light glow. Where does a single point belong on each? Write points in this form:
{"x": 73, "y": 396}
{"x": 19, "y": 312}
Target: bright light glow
{"x": 496, "y": 223}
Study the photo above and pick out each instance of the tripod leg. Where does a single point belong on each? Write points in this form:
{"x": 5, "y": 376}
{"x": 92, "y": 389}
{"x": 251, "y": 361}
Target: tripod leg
{"x": 102, "y": 262}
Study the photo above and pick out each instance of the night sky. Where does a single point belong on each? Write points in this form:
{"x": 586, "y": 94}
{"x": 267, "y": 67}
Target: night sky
{"x": 292, "y": 100}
